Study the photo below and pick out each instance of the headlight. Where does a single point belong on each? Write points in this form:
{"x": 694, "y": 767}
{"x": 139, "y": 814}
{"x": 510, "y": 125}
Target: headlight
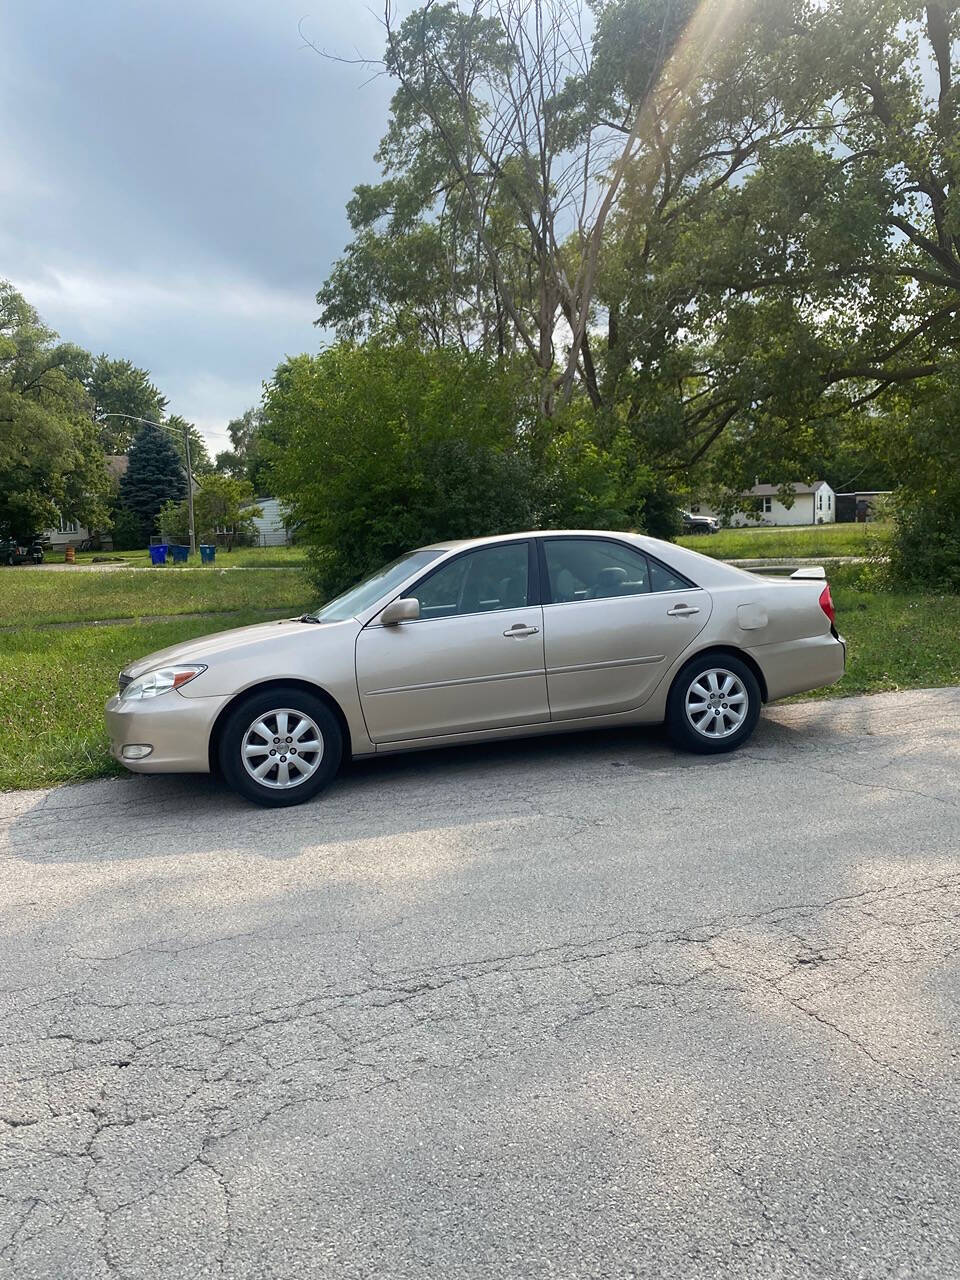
{"x": 153, "y": 683}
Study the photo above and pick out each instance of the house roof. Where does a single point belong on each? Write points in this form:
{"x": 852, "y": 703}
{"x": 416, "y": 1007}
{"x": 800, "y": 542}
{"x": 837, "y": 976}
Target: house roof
{"x": 865, "y": 493}
{"x": 771, "y": 490}
{"x": 117, "y": 464}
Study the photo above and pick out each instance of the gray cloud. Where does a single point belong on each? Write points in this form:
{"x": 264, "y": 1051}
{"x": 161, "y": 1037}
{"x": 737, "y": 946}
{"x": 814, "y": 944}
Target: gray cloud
{"x": 173, "y": 179}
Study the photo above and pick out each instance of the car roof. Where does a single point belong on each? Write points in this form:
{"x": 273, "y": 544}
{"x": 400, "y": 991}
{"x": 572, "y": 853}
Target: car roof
{"x": 458, "y": 544}
{"x": 704, "y": 570}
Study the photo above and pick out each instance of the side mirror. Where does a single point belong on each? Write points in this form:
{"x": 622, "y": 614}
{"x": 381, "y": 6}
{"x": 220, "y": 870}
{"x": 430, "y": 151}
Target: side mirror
{"x": 407, "y": 610}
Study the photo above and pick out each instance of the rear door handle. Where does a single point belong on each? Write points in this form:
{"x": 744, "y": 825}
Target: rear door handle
{"x": 682, "y": 611}
{"x": 520, "y": 629}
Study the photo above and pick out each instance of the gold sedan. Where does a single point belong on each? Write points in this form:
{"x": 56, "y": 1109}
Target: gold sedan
{"x": 471, "y": 641}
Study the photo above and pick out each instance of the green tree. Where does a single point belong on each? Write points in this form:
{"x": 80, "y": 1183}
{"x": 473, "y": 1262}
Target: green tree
{"x": 861, "y": 230}
{"x": 841, "y": 252}
{"x": 243, "y": 458}
{"x": 730, "y": 229}
{"x": 118, "y": 386}
{"x": 51, "y": 465}
{"x": 223, "y": 510}
{"x": 154, "y": 476}
{"x": 532, "y": 174}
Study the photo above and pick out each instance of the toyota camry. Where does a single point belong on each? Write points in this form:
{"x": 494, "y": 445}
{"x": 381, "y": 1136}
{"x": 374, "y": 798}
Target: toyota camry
{"x": 470, "y": 641}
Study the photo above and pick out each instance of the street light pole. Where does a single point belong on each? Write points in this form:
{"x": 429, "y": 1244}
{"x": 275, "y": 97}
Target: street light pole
{"x": 193, "y": 534}
{"x": 132, "y": 417}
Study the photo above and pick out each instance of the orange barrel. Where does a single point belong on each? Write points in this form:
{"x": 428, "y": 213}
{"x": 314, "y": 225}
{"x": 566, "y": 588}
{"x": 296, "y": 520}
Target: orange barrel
{"x": 70, "y": 556}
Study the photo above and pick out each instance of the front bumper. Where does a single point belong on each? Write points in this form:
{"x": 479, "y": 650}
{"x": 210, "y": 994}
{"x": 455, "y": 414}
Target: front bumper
{"x": 177, "y": 729}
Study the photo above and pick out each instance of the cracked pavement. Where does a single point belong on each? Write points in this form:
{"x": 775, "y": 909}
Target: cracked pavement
{"x": 571, "y": 1007}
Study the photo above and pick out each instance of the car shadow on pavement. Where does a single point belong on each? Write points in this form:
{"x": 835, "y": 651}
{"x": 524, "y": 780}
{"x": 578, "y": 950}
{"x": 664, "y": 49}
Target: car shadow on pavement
{"x": 578, "y": 776}
{"x": 154, "y": 816}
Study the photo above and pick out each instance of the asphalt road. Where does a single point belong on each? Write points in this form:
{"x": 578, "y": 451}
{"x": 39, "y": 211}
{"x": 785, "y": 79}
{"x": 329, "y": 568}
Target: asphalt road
{"x": 569, "y": 1008}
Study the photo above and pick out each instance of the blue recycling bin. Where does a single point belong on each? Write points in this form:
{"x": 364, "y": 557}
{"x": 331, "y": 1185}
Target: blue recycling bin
{"x": 208, "y": 553}
{"x": 179, "y": 554}
{"x": 158, "y": 554}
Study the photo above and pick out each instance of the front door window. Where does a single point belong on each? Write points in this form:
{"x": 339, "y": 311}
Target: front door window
{"x": 482, "y": 581}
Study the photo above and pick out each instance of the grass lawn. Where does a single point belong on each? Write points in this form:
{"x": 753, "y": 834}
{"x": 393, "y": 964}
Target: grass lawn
{"x": 894, "y": 641}
{"x": 53, "y": 684}
{"x": 728, "y": 544}
{"x": 804, "y": 540}
{"x": 257, "y": 557}
{"x": 54, "y": 681}
{"x": 32, "y": 596}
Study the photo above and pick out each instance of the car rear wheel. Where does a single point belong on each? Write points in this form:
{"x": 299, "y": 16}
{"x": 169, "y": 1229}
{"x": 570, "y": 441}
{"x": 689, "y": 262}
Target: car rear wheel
{"x": 280, "y": 747}
{"x": 714, "y": 704}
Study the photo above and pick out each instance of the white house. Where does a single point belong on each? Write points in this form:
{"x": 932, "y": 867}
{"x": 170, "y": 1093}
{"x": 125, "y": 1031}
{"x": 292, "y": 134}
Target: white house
{"x": 270, "y": 527}
{"x": 812, "y": 504}
{"x": 69, "y": 532}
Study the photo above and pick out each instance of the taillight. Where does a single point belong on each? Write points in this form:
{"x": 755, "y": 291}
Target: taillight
{"x": 826, "y": 604}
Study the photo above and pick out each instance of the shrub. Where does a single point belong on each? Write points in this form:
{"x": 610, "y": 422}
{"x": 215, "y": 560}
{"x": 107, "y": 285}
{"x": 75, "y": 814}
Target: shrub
{"x": 925, "y": 450}
{"x": 174, "y": 522}
{"x": 127, "y": 530}
{"x": 925, "y": 548}
{"x": 391, "y": 447}
{"x": 388, "y": 448}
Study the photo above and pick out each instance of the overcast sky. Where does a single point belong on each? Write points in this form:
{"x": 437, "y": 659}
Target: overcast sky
{"x": 173, "y": 176}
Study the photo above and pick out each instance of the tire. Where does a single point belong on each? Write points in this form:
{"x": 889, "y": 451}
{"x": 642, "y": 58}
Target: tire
{"x": 305, "y": 719}
{"x": 724, "y": 723}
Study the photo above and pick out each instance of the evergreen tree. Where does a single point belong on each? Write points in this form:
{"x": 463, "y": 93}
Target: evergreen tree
{"x": 154, "y": 476}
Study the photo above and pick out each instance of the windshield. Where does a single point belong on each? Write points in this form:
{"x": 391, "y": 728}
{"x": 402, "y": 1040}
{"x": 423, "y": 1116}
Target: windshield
{"x": 369, "y": 591}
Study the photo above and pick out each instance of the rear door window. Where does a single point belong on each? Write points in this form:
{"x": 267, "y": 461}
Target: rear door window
{"x": 594, "y": 569}
{"x": 664, "y": 579}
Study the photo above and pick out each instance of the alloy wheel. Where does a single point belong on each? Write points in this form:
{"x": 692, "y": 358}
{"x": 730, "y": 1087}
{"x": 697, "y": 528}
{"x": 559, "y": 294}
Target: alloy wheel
{"x": 717, "y": 703}
{"x": 282, "y": 748}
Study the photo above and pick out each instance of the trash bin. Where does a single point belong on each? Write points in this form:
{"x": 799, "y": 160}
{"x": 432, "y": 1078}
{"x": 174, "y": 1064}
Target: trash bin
{"x": 208, "y": 553}
{"x": 179, "y": 554}
{"x": 158, "y": 555}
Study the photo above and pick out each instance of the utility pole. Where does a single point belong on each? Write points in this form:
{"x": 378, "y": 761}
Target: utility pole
{"x": 193, "y": 533}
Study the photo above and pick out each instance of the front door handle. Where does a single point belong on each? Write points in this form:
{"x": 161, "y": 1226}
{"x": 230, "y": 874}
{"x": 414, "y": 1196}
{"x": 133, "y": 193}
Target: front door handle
{"x": 520, "y": 629}
{"x": 682, "y": 611}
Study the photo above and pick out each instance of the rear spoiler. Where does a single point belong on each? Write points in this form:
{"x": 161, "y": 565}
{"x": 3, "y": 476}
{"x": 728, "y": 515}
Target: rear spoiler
{"x": 814, "y": 572}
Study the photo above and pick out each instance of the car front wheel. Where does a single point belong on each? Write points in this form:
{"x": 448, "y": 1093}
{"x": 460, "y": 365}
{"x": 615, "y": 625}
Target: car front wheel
{"x": 714, "y": 704}
{"x": 280, "y": 747}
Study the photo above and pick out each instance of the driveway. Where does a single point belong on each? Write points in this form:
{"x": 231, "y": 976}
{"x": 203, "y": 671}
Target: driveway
{"x": 567, "y": 1008}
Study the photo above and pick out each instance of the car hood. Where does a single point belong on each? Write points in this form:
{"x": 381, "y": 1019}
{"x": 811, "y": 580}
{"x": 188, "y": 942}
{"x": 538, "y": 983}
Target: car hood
{"x": 223, "y": 644}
